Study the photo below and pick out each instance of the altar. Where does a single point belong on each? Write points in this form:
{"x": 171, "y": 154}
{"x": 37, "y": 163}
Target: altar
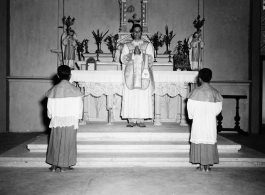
{"x": 110, "y": 84}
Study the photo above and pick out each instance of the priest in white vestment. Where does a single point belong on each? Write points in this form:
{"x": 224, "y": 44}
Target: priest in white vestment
{"x": 137, "y": 57}
{"x": 204, "y": 104}
{"x": 65, "y": 108}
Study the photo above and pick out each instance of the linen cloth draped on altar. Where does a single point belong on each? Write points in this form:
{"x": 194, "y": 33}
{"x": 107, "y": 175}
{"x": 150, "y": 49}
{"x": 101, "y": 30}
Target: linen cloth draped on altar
{"x": 172, "y": 83}
{"x": 98, "y": 83}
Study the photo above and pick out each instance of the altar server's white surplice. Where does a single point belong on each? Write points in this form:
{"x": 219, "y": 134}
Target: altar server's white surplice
{"x": 204, "y": 104}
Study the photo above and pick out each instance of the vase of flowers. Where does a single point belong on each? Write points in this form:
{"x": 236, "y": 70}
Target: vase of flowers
{"x": 157, "y": 41}
{"x": 167, "y": 39}
{"x": 112, "y": 43}
{"x": 181, "y": 56}
{"x": 98, "y": 38}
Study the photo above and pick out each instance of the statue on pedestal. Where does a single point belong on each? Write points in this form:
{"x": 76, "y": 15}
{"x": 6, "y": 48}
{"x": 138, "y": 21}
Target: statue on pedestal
{"x": 195, "y": 50}
{"x": 68, "y": 42}
{"x": 69, "y": 39}
{"x": 196, "y": 45}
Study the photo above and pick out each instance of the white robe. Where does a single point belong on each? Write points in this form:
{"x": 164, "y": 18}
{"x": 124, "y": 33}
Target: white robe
{"x": 204, "y": 114}
{"x": 65, "y": 112}
{"x": 137, "y": 103}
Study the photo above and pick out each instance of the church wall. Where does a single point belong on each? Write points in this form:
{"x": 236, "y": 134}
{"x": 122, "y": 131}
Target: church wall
{"x": 28, "y": 111}
{"x": 34, "y": 32}
{"x": 226, "y": 39}
{"x": 33, "y": 28}
{"x": 3, "y": 64}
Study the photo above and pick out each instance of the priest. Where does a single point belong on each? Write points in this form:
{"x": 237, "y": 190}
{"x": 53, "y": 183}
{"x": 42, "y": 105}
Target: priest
{"x": 137, "y": 57}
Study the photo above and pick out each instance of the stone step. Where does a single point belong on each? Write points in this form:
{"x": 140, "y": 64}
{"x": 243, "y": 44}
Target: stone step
{"x": 130, "y": 161}
{"x": 134, "y": 147}
{"x": 132, "y": 136}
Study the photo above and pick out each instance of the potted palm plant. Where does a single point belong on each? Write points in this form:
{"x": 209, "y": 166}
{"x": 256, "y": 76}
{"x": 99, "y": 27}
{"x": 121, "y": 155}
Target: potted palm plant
{"x": 157, "y": 41}
{"x": 98, "y": 38}
{"x": 112, "y": 43}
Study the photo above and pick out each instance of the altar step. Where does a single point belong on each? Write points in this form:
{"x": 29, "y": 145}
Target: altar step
{"x": 100, "y": 145}
{"x": 134, "y": 140}
{"x": 115, "y": 160}
{"x": 134, "y": 147}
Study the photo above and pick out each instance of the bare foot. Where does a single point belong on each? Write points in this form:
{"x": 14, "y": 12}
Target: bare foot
{"x": 208, "y": 168}
{"x": 199, "y": 168}
{"x": 53, "y": 168}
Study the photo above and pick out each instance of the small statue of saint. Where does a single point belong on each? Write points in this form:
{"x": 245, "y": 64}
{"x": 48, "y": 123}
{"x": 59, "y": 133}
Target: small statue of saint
{"x": 69, "y": 40}
{"x": 195, "y": 44}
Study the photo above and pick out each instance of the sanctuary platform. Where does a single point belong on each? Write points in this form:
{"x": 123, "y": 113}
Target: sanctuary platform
{"x": 102, "y": 145}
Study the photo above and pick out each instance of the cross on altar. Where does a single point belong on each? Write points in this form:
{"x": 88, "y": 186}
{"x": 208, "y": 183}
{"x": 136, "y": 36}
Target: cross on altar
{"x": 134, "y": 20}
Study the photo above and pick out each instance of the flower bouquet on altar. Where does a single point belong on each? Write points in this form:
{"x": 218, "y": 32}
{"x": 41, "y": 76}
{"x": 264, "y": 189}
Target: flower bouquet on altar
{"x": 181, "y": 57}
{"x": 157, "y": 41}
{"x": 112, "y": 43}
{"x": 98, "y": 38}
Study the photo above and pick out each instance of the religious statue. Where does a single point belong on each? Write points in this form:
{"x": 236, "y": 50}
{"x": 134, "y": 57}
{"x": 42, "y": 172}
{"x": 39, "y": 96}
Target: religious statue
{"x": 196, "y": 45}
{"x": 85, "y": 41}
{"x": 80, "y": 50}
{"x": 195, "y": 50}
{"x": 68, "y": 41}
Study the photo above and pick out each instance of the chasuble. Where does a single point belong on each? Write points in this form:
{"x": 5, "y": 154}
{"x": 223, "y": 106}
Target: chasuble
{"x": 138, "y": 80}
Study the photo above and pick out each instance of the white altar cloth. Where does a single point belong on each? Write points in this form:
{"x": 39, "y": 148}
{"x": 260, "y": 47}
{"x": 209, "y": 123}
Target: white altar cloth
{"x": 172, "y": 83}
{"x": 98, "y": 83}
{"x": 116, "y": 76}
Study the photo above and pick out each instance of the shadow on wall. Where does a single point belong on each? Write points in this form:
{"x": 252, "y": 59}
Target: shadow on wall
{"x": 43, "y": 103}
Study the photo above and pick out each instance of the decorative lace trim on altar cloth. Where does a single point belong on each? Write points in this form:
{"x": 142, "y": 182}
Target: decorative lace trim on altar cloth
{"x": 99, "y": 89}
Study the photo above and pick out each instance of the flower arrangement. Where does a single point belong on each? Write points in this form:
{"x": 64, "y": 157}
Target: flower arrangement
{"x": 198, "y": 23}
{"x": 157, "y": 41}
{"x": 167, "y": 39}
{"x": 112, "y": 43}
{"x": 181, "y": 56}
{"x": 68, "y": 22}
{"x": 98, "y": 38}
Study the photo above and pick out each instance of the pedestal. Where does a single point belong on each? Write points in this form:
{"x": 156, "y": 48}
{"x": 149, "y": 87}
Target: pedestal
{"x": 184, "y": 94}
{"x": 157, "y": 111}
